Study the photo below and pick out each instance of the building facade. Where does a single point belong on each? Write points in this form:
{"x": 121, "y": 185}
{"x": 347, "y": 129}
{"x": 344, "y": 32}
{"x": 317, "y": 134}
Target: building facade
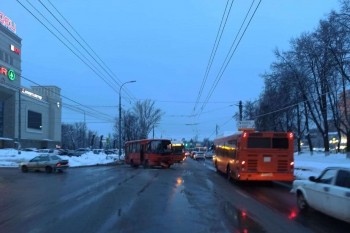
{"x": 29, "y": 117}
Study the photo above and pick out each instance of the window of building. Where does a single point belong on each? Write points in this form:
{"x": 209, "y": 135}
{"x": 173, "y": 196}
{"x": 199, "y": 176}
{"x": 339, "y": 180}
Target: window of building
{"x": 1, "y": 119}
{"x": 7, "y": 58}
{"x": 34, "y": 120}
{"x": 1, "y": 55}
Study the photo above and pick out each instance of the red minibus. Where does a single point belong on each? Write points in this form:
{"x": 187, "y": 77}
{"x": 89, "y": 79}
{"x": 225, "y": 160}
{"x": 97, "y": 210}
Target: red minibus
{"x": 150, "y": 152}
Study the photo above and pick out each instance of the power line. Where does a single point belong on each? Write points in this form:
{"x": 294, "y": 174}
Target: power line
{"x": 89, "y": 110}
{"x": 230, "y": 54}
{"x": 214, "y": 50}
{"x": 93, "y": 57}
{"x": 65, "y": 44}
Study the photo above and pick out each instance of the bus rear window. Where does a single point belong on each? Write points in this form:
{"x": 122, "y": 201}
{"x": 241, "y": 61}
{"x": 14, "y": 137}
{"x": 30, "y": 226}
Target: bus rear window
{"x": 274, "y": 143}
{"x": 280, "y": 143}
{"x": 259, "y": 143}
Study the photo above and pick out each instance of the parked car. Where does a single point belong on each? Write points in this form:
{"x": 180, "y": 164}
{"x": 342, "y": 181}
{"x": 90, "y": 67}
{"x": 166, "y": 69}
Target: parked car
{"x": 45, "y": 151}
{"x": 45, "y": 162}
{"x": 109, "y": 152}
{"x": 329, "y": 193}
{"x": 80, "y": 151}
{"x": 30, "y": 149}
{"x": 97, "y": 151}
{"x": 63, "y": 152}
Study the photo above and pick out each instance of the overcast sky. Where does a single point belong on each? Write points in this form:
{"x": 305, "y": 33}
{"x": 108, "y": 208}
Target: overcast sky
{"x": 164, "y": 45}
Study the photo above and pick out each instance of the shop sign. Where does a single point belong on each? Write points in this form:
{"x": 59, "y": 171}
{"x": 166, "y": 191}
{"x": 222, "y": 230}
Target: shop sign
{"x": 31, "y": 94}
{"x": 7, "y": 22}
{"x": 15, "y": 50}
{"x": 9, "y": 73}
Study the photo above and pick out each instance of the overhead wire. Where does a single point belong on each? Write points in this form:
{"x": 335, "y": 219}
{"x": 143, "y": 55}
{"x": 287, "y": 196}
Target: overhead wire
{"x": 230, "y": 54}
{"x": 86, "y": 61}
{"x": 214, "y": 50}
{"x": 99, "y": 75}
{"x": 89, "y": 110}
{"x": 113, "y": 77}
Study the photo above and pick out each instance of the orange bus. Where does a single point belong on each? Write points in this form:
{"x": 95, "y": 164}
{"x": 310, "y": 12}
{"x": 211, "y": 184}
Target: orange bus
{"x": 178, "y": 149}
{"x": 149, "y": 152}
{"x": 259, "y": 156}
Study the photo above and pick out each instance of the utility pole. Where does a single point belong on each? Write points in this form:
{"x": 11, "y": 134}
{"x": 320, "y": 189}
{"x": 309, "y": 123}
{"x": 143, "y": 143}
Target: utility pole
{"x": 120, "y": 117}
{"x": 240, "y": 110}
{"x": 19, "y": 121}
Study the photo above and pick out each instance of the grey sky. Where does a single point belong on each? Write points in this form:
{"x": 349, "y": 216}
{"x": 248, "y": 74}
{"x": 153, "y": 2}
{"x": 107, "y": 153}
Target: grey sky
{"x": 165, "y": 46}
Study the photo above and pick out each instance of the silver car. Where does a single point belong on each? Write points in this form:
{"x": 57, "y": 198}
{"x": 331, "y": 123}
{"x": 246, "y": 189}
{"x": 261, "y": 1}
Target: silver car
{"x": 45, "y": 162}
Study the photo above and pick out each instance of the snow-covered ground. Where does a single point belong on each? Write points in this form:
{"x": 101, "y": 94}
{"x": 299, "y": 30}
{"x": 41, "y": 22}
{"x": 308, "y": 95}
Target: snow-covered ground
{"x": 11, "y": 158}
{"x": 306, "y": 164}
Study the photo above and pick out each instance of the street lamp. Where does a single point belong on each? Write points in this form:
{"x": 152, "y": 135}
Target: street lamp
{"x": 120, "y": 117}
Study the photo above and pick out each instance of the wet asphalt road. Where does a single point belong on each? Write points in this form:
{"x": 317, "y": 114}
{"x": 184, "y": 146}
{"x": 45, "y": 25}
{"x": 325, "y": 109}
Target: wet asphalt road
{"x": 188, "y": 197}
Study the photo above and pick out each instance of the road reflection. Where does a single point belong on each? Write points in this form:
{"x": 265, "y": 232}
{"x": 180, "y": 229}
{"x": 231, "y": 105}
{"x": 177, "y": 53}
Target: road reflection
{"x": 241, "y": 220}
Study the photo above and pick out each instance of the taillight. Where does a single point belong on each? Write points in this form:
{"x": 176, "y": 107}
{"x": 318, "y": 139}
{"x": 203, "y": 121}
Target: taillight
{"x": 243, "y": 165}
{"x": 290, "y": 135}
{"x": 291, "y": 165}
{"x": 58, "y": 164}
{"x": 245, "y": 135}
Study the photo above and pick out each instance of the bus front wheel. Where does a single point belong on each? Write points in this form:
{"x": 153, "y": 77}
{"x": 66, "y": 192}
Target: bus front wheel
{"x": 145, "y": 164}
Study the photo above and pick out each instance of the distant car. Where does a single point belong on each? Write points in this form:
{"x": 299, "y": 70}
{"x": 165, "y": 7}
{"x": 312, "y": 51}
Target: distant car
{"x": 208, "y": 154}
{"x": 329, "y": 193}
{"x": 30, "y": 149}
{"x": 80, "y": 151}
{"x": 97, "y": 151}
{"x": 45, "y": 162}
{"x": 63, "y": 152}
{"x": 198, "y": 155}
{"x": 109, "y": 152}
{"x": 45, "y": 151}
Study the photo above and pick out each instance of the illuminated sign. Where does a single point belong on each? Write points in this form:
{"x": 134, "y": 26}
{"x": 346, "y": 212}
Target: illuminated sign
{"x": 3, "y": 71}
{"x": 7, "y": 22}
{"x": 31, "y": 94}
{"x": 9, "y": 73}
{"x": 15, "y": 50}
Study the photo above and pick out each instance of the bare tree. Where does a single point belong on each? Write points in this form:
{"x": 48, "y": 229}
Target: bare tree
{"x": 138, "y": 122}
{"x": 147, "y": 116}
{"x": 76, "y": 135}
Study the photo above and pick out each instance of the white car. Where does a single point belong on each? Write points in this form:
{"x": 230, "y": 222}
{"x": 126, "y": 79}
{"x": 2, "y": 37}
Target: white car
{"x": 45, "y": 162}
{"x": 209, "y": 154}
{"x": 329, "y": 193}
{"x": 198, "y": 155}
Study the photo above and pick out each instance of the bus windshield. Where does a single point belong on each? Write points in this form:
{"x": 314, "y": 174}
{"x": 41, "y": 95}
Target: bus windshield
{"x": 160, "y": 146}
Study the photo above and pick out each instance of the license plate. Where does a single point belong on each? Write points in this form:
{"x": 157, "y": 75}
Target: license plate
{"x": 266, "y": 174}
{"x": 267, "y": 159}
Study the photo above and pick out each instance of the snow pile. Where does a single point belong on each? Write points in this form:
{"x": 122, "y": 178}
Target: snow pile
{"x": 312, "y": 164}
{"x": 11, "y": 158}
{"x": 306, "y": 164}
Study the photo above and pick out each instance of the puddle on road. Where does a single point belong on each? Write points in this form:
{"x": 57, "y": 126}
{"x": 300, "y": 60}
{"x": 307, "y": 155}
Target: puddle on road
{"x": 241, "y": 221}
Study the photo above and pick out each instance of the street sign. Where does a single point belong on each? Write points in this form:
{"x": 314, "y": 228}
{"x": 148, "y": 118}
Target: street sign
{"x": 245, "y": 125}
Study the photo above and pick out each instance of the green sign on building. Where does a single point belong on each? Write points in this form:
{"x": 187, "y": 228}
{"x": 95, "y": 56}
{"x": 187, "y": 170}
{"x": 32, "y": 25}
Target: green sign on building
{"x": 11, "y": 75}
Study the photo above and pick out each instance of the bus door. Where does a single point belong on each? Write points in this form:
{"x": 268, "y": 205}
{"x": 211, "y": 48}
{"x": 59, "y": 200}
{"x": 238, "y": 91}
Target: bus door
{"x": 142, "y": 153}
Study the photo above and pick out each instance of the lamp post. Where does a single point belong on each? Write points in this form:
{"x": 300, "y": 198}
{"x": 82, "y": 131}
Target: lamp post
{"x": 120, "y": 117}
